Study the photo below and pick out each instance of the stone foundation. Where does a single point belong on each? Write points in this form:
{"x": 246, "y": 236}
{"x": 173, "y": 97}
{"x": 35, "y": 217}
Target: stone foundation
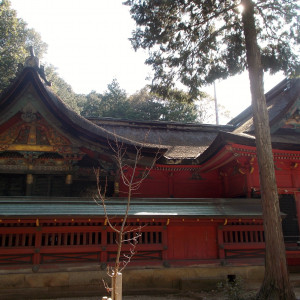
{"x": 87, "y": 280}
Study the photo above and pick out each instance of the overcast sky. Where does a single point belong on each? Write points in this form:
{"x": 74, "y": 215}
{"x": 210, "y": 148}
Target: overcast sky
{"x": 88, "y": 44}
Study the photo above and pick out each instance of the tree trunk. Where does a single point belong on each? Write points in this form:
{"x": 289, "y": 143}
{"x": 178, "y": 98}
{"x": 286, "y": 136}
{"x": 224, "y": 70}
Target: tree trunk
{"x": 276, "y": 284}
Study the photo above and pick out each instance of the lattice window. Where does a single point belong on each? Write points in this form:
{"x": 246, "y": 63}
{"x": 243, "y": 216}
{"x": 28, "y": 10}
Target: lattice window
{"x": 71, "y": 239}
{"x": 45, "y": 241}
{"x": 239, "y": 236}
{"x": 17, "y": 240}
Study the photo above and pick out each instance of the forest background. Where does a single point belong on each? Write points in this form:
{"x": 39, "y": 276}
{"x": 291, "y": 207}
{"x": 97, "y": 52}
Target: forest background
{"x": 114, "y": 101}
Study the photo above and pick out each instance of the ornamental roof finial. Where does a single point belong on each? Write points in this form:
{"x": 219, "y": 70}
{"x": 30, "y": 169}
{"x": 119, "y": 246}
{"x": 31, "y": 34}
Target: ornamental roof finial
{"x": 33, "y": 62}
{"x": 31, "y": 50}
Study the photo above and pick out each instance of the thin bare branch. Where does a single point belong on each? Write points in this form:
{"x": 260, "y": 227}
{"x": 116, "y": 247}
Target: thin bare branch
{"x": 101, "y": 197}
{"x": 132, "y": 180}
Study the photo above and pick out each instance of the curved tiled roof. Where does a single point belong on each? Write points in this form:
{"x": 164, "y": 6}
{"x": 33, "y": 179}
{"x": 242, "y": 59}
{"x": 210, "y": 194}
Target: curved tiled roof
{"x": 279, "y": 100}
{"x": 182, "y": 141}
{"x": 188, "y": 143}
{"x": 176, "y": 140}
{"x": 66, "y": 115}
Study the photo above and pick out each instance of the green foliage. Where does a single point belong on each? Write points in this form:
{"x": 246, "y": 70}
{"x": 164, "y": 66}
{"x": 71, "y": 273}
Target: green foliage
{"x": 15, "y": 39}
{"x": 235, "y": 290}
{"x": 167, "y": 93}
{"x": 197, "y": 42}
{"x": 113, "y": 103}
{"x": 179, "y": 111}
{"x": 92, "y": 105}
{"x": 148, "y": 106}
{"x": 143, "y": 105}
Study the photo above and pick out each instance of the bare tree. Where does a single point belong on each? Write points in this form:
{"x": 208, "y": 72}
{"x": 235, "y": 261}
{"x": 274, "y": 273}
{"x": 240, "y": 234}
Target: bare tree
{"x": 124, "y": 234}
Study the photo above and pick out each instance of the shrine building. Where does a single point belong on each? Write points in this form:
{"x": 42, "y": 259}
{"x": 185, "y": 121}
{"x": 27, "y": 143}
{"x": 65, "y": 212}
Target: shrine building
{"x": 199, "y": 206}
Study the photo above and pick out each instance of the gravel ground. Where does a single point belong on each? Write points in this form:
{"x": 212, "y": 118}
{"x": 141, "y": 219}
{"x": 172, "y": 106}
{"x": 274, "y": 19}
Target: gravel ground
{"x": 213, "y": 295}
{"x": 184, "y": 296}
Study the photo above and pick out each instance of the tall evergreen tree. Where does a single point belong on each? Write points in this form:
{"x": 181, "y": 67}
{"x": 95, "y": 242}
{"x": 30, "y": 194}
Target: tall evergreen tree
{"x": 92, "y": 105}
{"x": 199, "y": 41}
{"x": 196, "y": 41}
{"x": 145, "y": 106}
{"x": 112, "y": 103}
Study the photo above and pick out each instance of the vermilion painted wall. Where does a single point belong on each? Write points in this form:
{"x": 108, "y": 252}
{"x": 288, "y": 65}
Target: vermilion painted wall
{"x": 190, "y": 241}
{"x": 239, "y": 180}
{"x": 178, "y": 183}
{"x": 236, "y": 179}
{"x": 287, "y": 177}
